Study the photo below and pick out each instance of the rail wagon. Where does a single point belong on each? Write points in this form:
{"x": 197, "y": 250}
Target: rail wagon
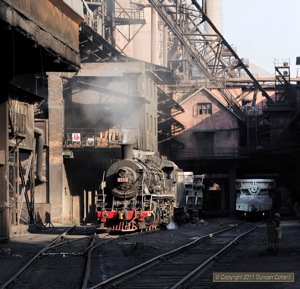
{"x": 254, "y": 196}
{"x": 194, "y": 193}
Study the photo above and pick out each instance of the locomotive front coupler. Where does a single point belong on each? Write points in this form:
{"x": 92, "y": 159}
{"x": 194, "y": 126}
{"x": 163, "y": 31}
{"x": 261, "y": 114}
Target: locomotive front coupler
{"x": 123, "y": 215}
{"x": 102, "y": 216}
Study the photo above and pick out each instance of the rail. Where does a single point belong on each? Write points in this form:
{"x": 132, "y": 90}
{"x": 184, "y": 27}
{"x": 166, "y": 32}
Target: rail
{"x": 52, "y": 244}
{"x": 165, "y": 257}
{"x": 206, "y": 264}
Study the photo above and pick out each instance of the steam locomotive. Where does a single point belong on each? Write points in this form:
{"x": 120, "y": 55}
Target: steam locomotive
{"x": 142, "y": 191}
{"x": 254, "y": 196}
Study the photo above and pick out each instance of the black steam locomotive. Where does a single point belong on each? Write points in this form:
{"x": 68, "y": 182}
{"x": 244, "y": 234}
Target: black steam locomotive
{"x": 141, "y": 192}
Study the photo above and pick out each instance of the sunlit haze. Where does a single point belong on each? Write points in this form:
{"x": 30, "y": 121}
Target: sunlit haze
{"x": 263, "y": 30}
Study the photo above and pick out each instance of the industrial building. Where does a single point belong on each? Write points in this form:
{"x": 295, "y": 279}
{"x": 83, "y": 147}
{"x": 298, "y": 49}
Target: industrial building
{"x": 156, "y": 74}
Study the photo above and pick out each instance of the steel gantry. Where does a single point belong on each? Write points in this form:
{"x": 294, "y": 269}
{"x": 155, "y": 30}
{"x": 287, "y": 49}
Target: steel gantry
{"x": 205, "y": 53}
{"x": 106, "y": 17}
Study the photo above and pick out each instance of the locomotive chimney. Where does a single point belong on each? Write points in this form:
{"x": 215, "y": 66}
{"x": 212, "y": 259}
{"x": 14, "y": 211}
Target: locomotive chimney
{"x": 126, "y": 151}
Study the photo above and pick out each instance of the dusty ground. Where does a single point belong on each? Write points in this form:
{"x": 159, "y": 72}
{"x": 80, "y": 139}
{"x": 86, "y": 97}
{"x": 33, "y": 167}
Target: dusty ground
{"x": 21, "y": 247}
{"x": 132, "y": 250}
{"x": 251, "y": 255}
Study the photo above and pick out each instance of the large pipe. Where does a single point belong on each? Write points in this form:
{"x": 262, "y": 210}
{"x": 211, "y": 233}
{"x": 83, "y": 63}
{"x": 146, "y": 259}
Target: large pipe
{"x": 39, "y": 153}
{"x": 212, "y": 8}
{"x": 127, "y": 151}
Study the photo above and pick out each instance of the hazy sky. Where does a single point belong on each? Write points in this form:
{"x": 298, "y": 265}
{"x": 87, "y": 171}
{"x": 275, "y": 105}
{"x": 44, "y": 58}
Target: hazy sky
{"x": 263, "y": 30}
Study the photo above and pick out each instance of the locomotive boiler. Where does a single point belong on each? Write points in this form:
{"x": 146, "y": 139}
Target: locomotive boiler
{"x": 254, "y": 196}
{"x": 142, "y": 192}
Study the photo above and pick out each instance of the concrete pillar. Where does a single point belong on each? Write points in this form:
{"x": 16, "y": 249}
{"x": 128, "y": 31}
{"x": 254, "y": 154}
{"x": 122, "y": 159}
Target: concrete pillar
{"x": 76, "y": 209}
{"x": 5, "y": 223}
{"x": 56, "y": 133}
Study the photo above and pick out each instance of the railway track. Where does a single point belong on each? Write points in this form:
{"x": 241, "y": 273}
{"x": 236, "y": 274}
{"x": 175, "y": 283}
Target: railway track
{"x": 175, "y": 269}
{"x": 56, "y": 261}
{"x": 63, "y": 263}
{"x": 92, "y": 253}
{"x": 74, "y": 257}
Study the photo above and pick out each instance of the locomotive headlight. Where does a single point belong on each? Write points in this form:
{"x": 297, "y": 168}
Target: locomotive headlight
{"x": 122, "y": 173}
